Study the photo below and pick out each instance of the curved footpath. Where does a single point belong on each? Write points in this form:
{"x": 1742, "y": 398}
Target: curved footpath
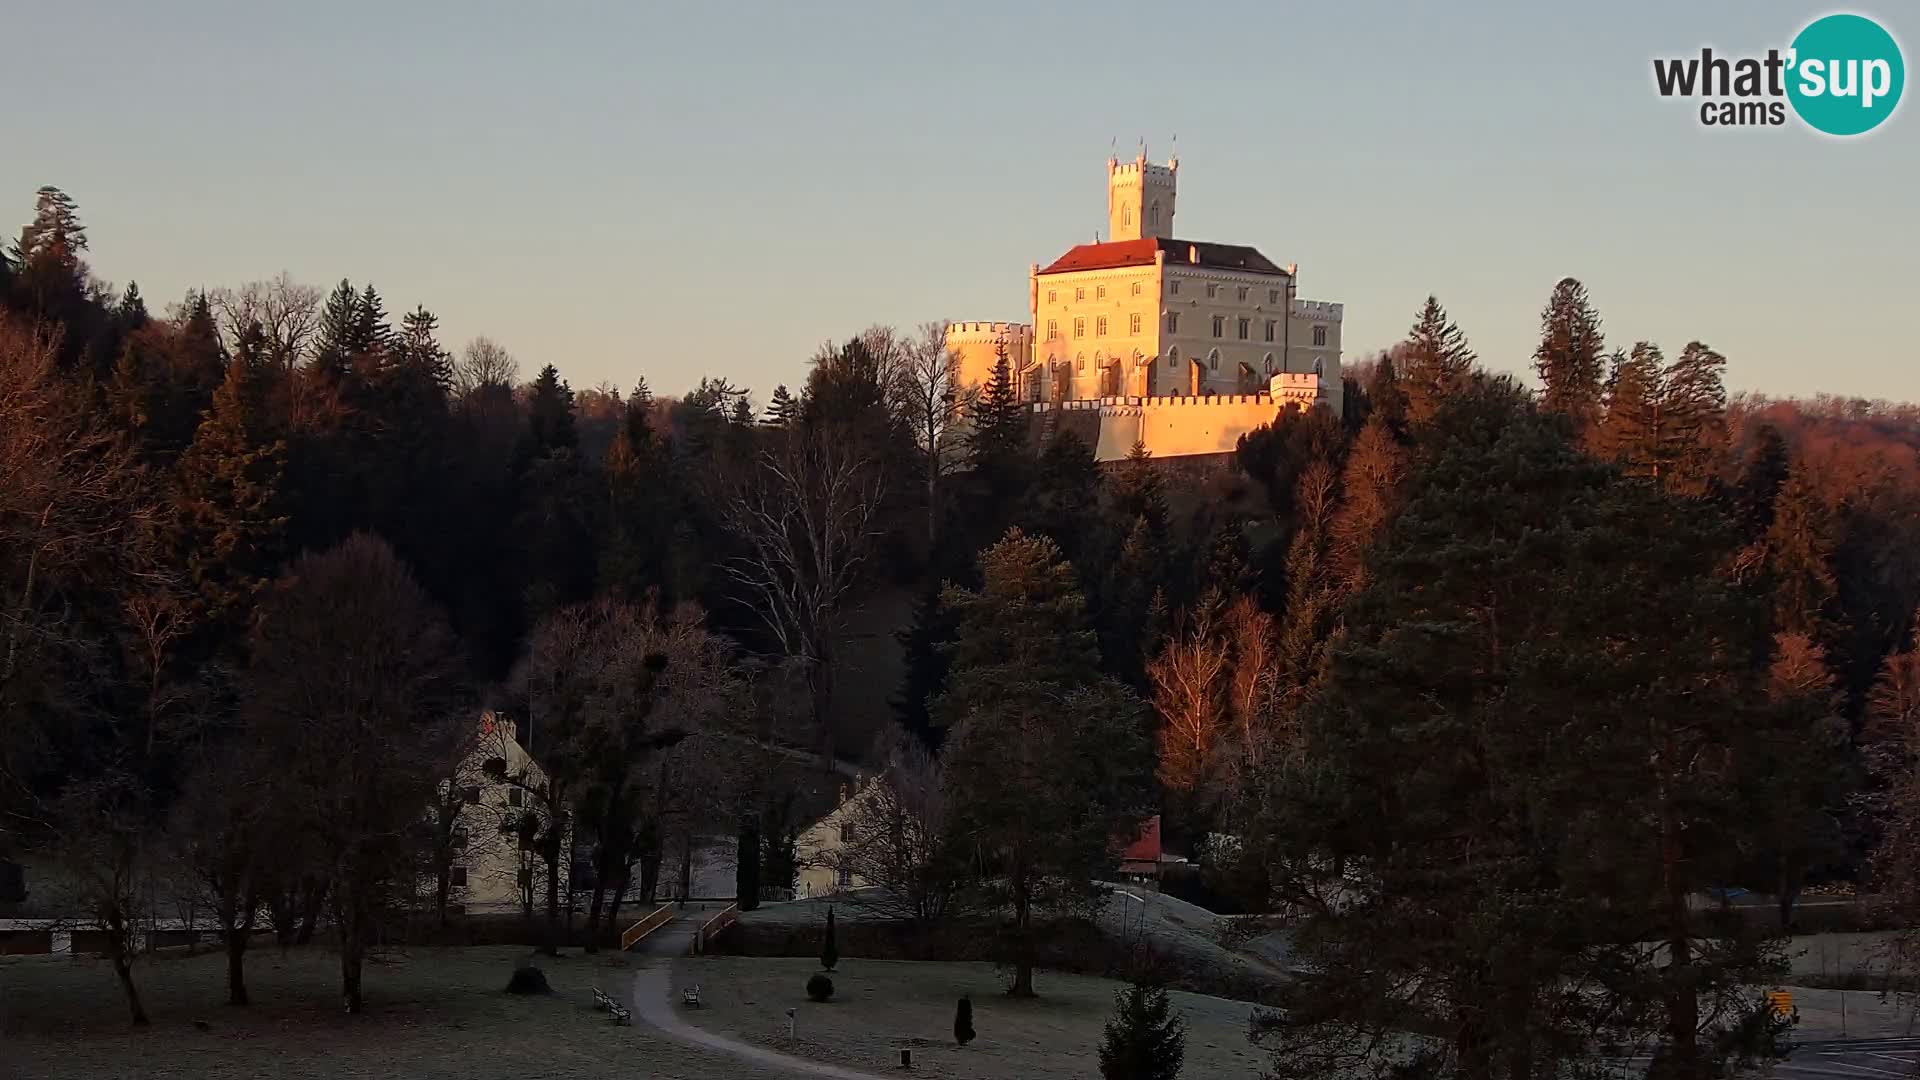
{"x": 655, "y": 1000}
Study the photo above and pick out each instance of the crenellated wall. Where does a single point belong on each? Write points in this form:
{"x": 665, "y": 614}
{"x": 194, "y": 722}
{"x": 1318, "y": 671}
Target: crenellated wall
{"x": 976, "y": 343}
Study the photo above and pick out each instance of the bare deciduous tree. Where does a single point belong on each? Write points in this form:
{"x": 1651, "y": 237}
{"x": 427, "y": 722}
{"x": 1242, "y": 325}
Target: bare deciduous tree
{"x": 484, "y": 363}
{"x": 1191, "y": 678}
{"x": 930, "y": 399}
{"x": 287, "y": 311}
{"x": 804, "y": 511}
{"x": 357, "y": 680}
{"x": 897, "y": 839}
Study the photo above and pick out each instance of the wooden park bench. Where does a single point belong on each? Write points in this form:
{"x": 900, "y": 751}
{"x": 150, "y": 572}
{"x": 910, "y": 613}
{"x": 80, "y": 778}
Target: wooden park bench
{"x": 691, "y": 996}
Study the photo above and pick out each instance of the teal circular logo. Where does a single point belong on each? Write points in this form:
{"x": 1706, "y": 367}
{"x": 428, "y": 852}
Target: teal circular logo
{"x": 1845, "y": 74}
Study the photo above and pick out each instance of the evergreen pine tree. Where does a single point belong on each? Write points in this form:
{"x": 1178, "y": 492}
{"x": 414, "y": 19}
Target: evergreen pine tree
{"x": 1146, "y": 1039}
{"x": 1762, "y": 474}
{"x": 335, "y": 340}
{"x": 1693, "y": 420}
{"x": 923, "y": 646}
{"x": 742, "y": 411}
{"x": 372, "y": 333}
{"x": 1629, "y": 429}
{"x": 1570, "y": 360}
{"x": 550, "y": 412}
{"x": 1433, "y": 363}
{"x": 783, "y": 410}
{"x": 230, "y": 493}
{"x": 1139, "y": 492}
{"x": 55, "y": 233}
{"x": 998, "y": 442}
{"x": 132, "y": 310}
{"x": 1800, "y": 545}
{"x": 1063, "y": 501}
{"x": 642, "y": 396}
{"x": 829, "y": 948}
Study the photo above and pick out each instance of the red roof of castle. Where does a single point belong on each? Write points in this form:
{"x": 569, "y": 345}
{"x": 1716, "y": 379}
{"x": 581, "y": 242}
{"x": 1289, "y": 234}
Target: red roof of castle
{"x": 1116, "y": 253}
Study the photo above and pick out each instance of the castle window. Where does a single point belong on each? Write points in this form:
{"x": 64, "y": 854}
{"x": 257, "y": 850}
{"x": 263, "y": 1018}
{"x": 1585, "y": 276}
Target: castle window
{"x": 1219, "y": 326}
{"x": 1100, "y": 292}
{"x": 1273, "y": 296}
{"x": 1153, "y": 215}
{"x": 1126, "y": 215}
{"x": 1079, "y": 328}
{"x": 1245, "y": 326}
{"x": 515, "y": 796}
{"x": 1133, "y": 323}
{"x": 470, "y": 795}
{"x": 1213, "y": 360}
{"x": 1243, "y": 292}
{"x": 1173, "y": 322}
{"x": 1100, "y": 326}
{"x": 1212, "y": 290}
{"x": 1053, "y": 330}
{"x": 1320, "y": 335}
{"x": 1051, "y": 296}
{"x": 1270, "y": 327}
{"x": 1173, "y": 356}
{"x": 1173, "y": 287}
{"x": 1136, "y": 288}
{"x": 1080, "y": 362}
{"x": 1079, "y": 294}
{"x": 457, "y": 876}
{"x": 1269, "y": 364}
{"x": 1318, "y": 361}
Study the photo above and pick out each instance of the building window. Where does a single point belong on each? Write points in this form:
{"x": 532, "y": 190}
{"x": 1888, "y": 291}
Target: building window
{"x": 1100, "y": 292}
{"x": 1079, "y": 294}
{"x": 1273, "y": 296}
{"x": 1053, "y": 330}
{"x": 471, "y": 796}
{"x": 845, "y": 877}
{"x": 1270, "y": 328}
{"x": 1173, "y": 322}
{"x": 1212, "y": 290}
{"x": 1243, "y": 292}
{"x": 1136, "y": 289}
{"x": 526, "y": 877}
{"x": 1079, "y": 328}
{"x": 1173, "y": 356}
{"x": 1269, "y": 363}
{"x": 457, "y": 876}
{"x": 1080, "y": 362}
{"x": 1133, "y": 323}
{"x": 1320, "y": 335}
{"x": 459, "y": 838}
{"x": 1100, "y": 326}
{"x": 1173, "y": 287}
{"x": 846, "y": 833}
{"x": 1153, "y": 215}
{"x": 1213, "y": 360}
{"x": 1050, "y": 296}
{"x": 1318, "y": 361}
{"x": 1244, "y": 328}
{"x": 515, "y": 796}
{"x": 1219, "y": 326}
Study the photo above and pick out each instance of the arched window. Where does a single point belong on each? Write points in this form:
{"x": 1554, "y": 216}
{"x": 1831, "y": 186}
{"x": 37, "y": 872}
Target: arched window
{"x": 1269, "y": 363}
{"x": 1126, "y": 215}
{"x": 1318, "y": 361}
{"x": 1080, "y": 363}
{"x": 1153, "y": 215}
{"x": 1173, "y": 357}
{"x": 1213, "y": 360}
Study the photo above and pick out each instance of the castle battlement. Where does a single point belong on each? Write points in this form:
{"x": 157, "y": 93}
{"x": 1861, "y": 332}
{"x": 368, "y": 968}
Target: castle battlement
{"x": 989, "y": 331}
{"x": 1318, "y": 309}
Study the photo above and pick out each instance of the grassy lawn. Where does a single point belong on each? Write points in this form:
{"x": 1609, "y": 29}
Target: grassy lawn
{"x": 430, "y": 1013}
{"x": 882, "y": 1005}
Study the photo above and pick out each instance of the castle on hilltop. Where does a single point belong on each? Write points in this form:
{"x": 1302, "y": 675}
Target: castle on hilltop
{"x": 1181, "y": 345}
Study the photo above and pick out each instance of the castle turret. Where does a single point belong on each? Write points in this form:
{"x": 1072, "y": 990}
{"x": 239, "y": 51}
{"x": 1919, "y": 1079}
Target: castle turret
{"x": 1140, "y": 198}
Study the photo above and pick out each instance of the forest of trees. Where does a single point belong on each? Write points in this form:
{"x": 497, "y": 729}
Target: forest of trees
{"x": 1479, "y": 683}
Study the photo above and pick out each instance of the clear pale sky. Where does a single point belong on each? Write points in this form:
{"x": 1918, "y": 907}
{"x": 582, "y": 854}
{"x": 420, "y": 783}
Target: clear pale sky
{"x": 690, "y": 188}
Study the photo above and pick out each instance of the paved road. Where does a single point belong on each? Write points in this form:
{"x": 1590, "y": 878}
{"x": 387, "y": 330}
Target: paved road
{"x": 1853, "y": 1059}
{"x": 657, "y": 1001}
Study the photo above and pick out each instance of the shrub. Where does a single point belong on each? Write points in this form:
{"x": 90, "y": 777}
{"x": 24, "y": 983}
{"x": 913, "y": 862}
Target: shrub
{"x": 820, "y": 988}
{"x": 528, "y": 980}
